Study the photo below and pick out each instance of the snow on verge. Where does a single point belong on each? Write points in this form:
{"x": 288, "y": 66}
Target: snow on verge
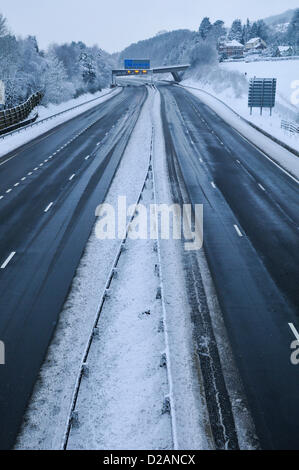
{"x": 280, "y": 155}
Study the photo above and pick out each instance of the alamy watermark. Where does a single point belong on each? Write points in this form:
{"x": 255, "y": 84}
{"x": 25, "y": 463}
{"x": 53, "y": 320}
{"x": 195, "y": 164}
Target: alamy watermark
{"x": 295, "y": 94}
{"x": 151, "y": 222}
{"x": 295, "y": 353}
{"x": 294, "y": 345}
{"x": 2, "y": 353}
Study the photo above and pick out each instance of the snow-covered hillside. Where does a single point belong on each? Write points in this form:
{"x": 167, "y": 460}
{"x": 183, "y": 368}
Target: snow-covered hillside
{"x": 229, "y": 82}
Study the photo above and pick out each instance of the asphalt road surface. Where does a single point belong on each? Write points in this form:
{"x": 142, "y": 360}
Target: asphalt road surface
{"x": 50, "y": 189}
{"x": 251, "y": 242}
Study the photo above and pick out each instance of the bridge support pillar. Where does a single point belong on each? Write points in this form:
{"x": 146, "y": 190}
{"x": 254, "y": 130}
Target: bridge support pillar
{"x": 176, "y": 76}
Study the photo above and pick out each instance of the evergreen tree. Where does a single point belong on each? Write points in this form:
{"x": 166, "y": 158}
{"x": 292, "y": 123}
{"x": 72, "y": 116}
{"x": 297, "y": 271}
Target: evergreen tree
{"x": 217, "y": 30}
{"x": 236, "y": 31}
{"x": 262, "y": 30}
{"x": 205, "y": 28}
{"x": 254, "y": 32}
{"x": 246, "y": 32}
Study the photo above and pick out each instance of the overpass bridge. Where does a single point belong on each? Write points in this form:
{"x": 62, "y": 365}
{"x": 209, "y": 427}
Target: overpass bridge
{"x": 130, "y": 70}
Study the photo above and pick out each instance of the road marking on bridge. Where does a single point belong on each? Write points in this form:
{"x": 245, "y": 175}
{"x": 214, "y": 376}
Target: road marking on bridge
{"x": 238, "y": 161}
{"x": 17, "y": 184}
{"x": 35, "y": 169}
{"x": 72, "y": 177}
{"x": 262, "y": 187}
{"x": 294, "y": 330}
{"x": 1, "y": 197}
{"x": 86, "y": 158}
{"x": 30, "y": 173}
{"x": 238, "y": 231}
{"x": 8, "y": 191}
{"x": 213, "y": 184}
{"x": 12, "y": 254}
{"x": 49, "y": 206}
{"x": 23, "y": 179}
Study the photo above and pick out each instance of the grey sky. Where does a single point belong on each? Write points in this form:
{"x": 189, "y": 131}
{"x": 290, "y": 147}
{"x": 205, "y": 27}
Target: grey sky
{"x": 115, "y": 24}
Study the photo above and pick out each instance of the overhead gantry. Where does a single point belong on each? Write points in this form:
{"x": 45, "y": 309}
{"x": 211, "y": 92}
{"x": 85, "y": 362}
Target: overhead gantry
{"x": 173, "y": 69}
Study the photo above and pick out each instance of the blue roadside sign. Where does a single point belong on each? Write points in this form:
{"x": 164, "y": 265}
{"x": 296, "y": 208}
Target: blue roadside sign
{"x": 137, "y": 64}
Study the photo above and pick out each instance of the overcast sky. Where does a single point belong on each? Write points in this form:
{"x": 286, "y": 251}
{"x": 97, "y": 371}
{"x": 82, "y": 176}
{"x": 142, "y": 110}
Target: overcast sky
{"x": 114, "y": 24}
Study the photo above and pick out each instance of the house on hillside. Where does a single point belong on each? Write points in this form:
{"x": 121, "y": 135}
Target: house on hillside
{"x": 255, "y": 44}
{"x": 284, "y": 51}
{"x": 231, "y": 49}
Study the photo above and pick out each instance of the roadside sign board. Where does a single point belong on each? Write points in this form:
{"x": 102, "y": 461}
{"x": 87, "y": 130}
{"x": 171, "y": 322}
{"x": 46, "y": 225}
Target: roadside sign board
{"x": 262, "y": 92}
{"x": 137, "y": 64}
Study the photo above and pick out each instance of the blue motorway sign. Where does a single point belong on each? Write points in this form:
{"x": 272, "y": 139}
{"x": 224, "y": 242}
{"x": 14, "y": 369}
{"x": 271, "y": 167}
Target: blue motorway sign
{"x": 137, "y": 64}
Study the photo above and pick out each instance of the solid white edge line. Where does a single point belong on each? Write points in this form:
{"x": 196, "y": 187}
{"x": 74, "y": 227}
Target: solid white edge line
{"x": 238, "y": 231}
{"x": 12, "y": 254}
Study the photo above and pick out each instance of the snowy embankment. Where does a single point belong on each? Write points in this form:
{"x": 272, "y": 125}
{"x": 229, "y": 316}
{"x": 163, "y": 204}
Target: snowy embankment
{"x": 229, "y": 83}
{"x": 227, "y": 95}
{"x": 70, "y": 109}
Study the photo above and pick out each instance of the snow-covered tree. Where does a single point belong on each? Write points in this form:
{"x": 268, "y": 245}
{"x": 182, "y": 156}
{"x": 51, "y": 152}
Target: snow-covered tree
{"x": 246, "y": 32}
{"x": 56, "y": 88}
{"x": 217, "y": 31}
{"x": 203, "y": 53}
{"x": 205, "y": 28}
{"x": 292, "y": 35}
{"x": 3, "y": 26}
{"x": 236, "y": 31}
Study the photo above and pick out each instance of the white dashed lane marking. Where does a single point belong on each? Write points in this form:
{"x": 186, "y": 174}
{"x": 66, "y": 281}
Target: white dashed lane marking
{"x": 12, "y": 254}
{"x": 238, "y": 231}
{"x": 49, "y": 207}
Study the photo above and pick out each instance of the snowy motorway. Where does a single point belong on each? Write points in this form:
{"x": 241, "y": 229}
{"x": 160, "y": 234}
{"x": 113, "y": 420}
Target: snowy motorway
{"x": 152, "y": 346}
